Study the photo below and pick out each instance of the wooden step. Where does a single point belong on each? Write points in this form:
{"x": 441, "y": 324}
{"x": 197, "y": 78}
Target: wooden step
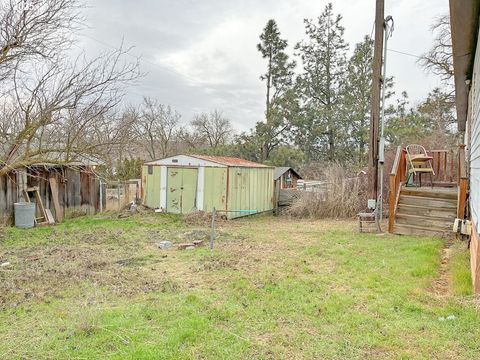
{"x": 429, "y": 193}
{"x": 428, "y": 202}
{"x": 445, "y": 213}
{"x": 445, "y": 184}
{"x": 426, "y": 221}
{"x": 404, "y": 229}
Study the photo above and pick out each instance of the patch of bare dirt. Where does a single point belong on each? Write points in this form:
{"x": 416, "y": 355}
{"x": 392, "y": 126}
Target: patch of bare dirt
{"x": 202, "y": 218}
{"x": 441, "y": 284}
{"x": 42, "y": 272}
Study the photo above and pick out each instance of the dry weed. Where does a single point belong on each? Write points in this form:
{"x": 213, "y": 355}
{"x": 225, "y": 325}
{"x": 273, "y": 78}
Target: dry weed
{"x": 342, "y": 197}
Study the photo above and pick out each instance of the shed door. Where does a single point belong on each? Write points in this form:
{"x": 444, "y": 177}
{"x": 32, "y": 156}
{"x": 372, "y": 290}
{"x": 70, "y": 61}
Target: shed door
{"x": 181, "y": 190}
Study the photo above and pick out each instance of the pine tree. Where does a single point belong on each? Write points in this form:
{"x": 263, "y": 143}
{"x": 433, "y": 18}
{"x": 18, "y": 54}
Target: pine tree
{"x": 323, "y": 55}
{"x": 278, "y": 79}
{"x": 357, "y": 98}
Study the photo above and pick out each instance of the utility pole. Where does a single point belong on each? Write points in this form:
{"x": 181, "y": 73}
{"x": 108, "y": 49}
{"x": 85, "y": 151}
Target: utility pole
{"x": 375, "y": 101}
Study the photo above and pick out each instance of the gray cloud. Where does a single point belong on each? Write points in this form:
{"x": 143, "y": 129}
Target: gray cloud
{"x": 201, "y": 55}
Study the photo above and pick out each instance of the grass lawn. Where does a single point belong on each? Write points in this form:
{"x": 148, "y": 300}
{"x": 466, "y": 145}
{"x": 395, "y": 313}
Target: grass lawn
{"x": 273, "y": 288}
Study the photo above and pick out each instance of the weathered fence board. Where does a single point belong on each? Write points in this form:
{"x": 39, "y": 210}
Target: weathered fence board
{"x": 66, "y": 197}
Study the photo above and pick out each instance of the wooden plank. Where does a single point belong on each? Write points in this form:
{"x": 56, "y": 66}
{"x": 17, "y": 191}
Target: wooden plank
{"x": 429, "y": 193}
{"x": 42, "y": 219}
{"x": 429, "y": 202}
{"x": 38, "y": 200}
{"x": 26, "y": 196}
{"x": 391, "y": 203}
{"x": 426, "y": 222}
{"x": 426, "y": 210}
{"x": 49, "y": 216}
{"x": 55, "y": 199}
{"x": 404, "y": 229}
{"x": 462, "y": 198}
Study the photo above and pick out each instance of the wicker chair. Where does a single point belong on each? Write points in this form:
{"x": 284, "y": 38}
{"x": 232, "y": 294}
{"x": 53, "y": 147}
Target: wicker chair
{"x": 418, "y": 167}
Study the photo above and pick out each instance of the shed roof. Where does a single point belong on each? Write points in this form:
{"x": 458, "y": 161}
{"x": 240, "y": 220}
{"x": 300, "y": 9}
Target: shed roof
{"x": 230, "y": 161}
{"x": 279, "y": 171}
{"x": 206, "y": 160}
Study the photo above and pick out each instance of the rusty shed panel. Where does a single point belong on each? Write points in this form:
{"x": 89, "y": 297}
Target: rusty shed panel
{"x": 215, "y": 189}
{"x": 249, "y": 189}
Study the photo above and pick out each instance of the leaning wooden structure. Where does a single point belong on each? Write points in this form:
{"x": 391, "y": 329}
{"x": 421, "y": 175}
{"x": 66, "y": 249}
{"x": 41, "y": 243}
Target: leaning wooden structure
{"x": 67, "y": 190}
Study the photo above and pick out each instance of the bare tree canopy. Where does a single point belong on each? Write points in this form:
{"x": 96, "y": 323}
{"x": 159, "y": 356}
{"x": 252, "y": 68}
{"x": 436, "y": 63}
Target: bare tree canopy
{"x": 439, "y": 59}
{"x": 62, "y": 111}
{"x": 214, "y": 128}
{"x": 35, "y": 29}
{"x": 156, "y": 127}
{"x": 55, "y": 108}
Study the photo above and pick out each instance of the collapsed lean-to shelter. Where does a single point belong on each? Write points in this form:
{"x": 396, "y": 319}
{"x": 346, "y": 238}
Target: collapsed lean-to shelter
{"x": 66, "y": 189}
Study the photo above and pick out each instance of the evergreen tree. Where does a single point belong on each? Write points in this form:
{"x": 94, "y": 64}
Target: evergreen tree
{"x": 323, "y": 55}
{"x": 278, "y": 79}
{"x": 356, "y": 101}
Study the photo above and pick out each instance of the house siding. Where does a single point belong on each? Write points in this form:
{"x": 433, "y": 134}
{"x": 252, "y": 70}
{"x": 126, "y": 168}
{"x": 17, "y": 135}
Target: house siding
{"x": 473, "y": 141}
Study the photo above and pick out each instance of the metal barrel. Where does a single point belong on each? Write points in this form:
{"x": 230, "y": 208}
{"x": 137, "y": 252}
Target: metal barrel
{"x": 24, "y": 215}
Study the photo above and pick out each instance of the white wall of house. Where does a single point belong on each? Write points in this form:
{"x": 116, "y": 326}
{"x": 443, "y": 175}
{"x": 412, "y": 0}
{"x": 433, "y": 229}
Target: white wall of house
{"x": 473, "y": 139}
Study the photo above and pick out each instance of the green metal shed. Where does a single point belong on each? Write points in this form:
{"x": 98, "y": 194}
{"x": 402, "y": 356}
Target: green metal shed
{"x": 185, "y": 183}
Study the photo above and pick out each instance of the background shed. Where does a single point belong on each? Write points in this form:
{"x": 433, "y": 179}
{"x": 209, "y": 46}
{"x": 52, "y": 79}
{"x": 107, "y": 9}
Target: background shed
{"x": 286, "y": 177}
{"x": 187, "y": 183}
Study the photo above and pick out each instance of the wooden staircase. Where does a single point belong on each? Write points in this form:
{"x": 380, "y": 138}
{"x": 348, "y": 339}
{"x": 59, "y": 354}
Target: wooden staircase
{"x": 428, "y": 211}
{"x": 425, "y": 211}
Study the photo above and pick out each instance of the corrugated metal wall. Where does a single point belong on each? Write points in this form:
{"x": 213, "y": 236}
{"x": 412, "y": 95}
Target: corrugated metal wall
{"x": 215, "y": 189}
{"x": 231, "y": 189}
{"x": 151, "y": 185}
{"x": 249, "y": 189}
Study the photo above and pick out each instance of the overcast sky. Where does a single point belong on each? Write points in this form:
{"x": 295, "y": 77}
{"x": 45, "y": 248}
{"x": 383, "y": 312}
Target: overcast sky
{"x": 201, "y": 55}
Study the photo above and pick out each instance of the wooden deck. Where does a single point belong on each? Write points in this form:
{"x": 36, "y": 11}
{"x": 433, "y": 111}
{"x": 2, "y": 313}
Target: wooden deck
{"x": 428, "y": 210}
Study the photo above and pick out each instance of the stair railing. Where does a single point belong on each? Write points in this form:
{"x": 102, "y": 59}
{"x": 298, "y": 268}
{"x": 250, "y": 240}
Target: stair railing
{"x": 397, "y": 178}
{"x": 462, "y": 182}
{"x": 442, "y": 165}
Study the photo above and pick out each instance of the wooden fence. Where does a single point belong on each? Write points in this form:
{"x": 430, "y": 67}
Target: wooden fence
{"x": 118, "y": 194}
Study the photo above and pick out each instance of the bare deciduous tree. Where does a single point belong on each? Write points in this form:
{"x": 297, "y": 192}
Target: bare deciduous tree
{"x": 61, "y": 112}
{"x": 439, "y": 59}
{"x": 214, "y": 128}
{"x": 35, "y": 29}
{"x": 55, "y": 108}
{"x": 156, "y": 127}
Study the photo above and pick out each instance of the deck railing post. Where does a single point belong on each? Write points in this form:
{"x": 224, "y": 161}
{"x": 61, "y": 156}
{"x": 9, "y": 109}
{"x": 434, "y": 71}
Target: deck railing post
{"x": 396, "y": 178}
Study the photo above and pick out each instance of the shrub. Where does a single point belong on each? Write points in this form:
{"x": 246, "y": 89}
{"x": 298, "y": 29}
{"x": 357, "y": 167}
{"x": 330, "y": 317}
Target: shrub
{"x": 339, "y": 196}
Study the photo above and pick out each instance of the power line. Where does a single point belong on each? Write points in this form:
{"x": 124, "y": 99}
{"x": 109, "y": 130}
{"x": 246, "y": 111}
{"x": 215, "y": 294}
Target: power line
{"x": 405, "y": 53}
{"x": 191, "y": 109}
{"x": 164, "y": 68}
